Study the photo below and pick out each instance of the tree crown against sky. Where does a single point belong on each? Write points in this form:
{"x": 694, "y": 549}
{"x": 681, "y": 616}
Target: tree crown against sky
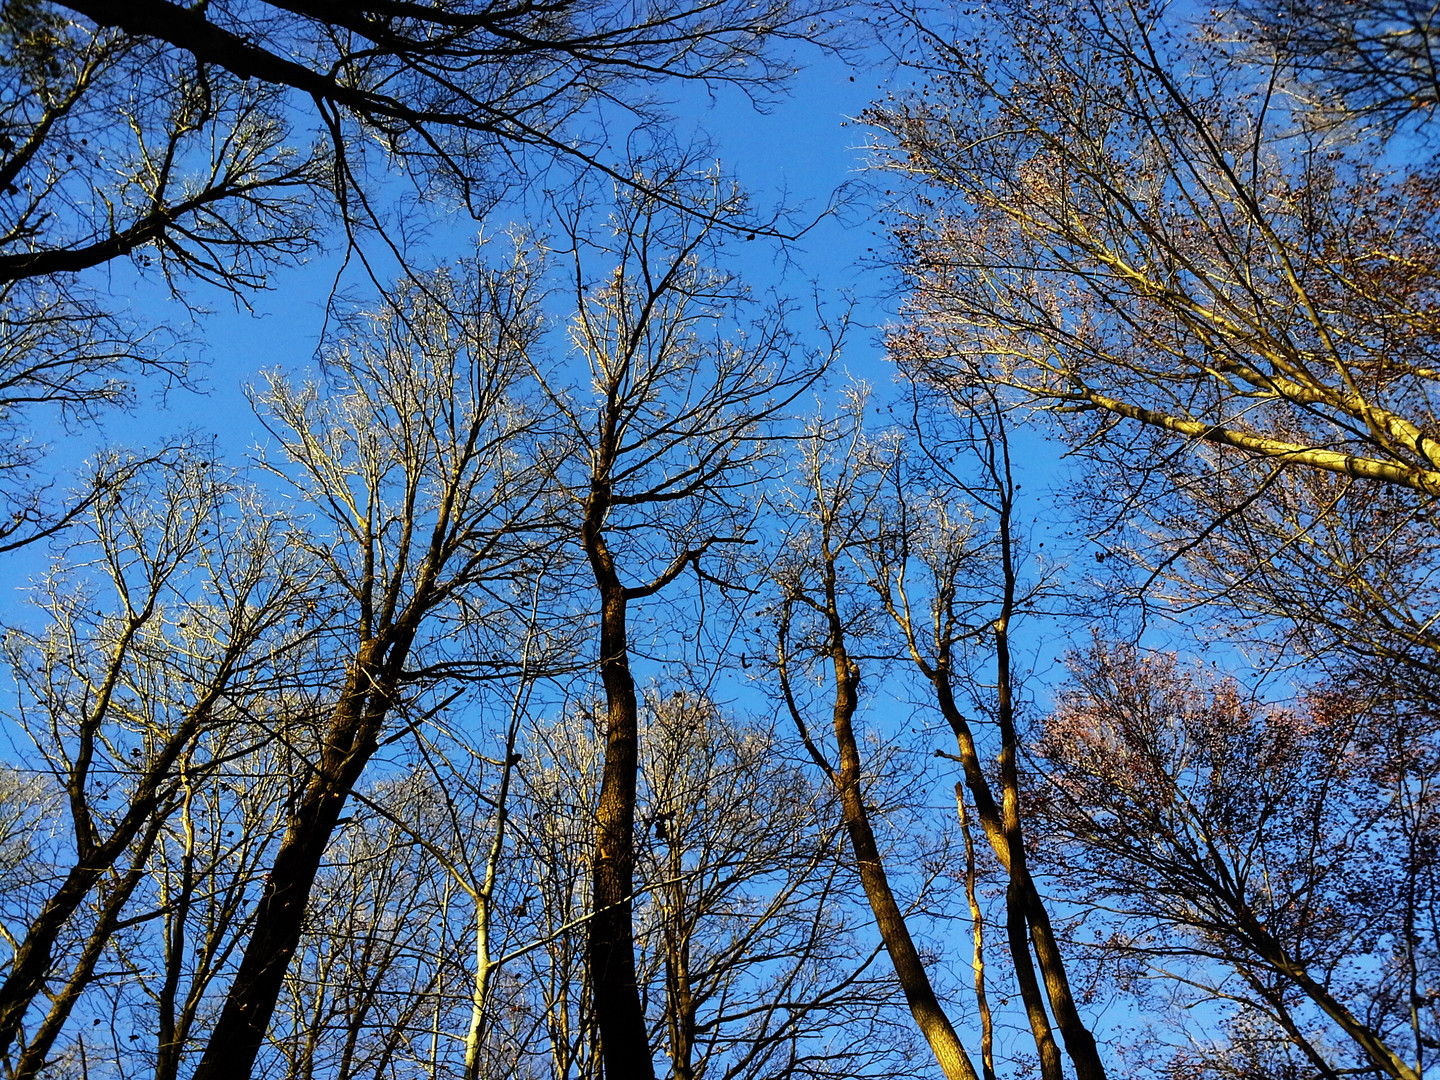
{"x": 1144, "y": 230}
{"x": 195, "y": 152}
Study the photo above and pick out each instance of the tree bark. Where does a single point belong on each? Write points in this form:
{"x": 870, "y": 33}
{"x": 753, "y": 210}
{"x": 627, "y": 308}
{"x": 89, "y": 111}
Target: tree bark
{"x": 610, "y": 948}
{"x": 350, "y": 741}
{"x": 1079, "y": 1043}
{"x": 889, "y": 919}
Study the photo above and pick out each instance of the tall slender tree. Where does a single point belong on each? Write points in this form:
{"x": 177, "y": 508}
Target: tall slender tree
{"x": 818, "y": 620}
{"x": 425, "y": 473}
{"x": 670, "y": 437}
{"x": 946, "y": 558}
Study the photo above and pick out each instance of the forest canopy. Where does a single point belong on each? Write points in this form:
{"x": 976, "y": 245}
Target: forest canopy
{"x": 586, "y": 673}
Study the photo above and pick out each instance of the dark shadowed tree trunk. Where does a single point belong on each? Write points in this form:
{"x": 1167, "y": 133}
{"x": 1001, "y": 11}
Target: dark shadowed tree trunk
{"x": 671, "y": 436}
{"x": 422, "y": 466}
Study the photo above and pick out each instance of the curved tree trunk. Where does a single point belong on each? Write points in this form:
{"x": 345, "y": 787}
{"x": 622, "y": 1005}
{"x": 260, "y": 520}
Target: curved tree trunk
{"x": 610, "y": 948}
{"x": 889, "y": 919}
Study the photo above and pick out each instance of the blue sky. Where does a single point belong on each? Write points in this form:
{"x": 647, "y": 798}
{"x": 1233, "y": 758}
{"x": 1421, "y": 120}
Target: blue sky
{"x": 805, "y": 152}
{"x": 798, "y": 155}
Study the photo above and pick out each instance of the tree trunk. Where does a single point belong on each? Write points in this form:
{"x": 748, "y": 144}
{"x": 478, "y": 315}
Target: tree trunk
{"x": 624, "y": 1040}
{"x": 351, "y": 740}
{"x": 1079, "y": 1043}
{"x": 610, "y": 948}
{"x": 680, "y": 991}
{"x": 889, "y": 919}
{"x": 1002, "y": 827}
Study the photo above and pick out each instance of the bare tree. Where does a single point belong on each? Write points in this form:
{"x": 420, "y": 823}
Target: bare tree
{"x": 111, "y": 146}
{"x": 748, "y": 957}
{"x": 211, "y": 147}
{"x": 1128, "y": 225}
{"x": 945, "y": 557}
{"x": 129, "y": 710}
{"x": 422, "y": 468}
{"x": 744, "y": 919}
{"x": 1165, "y": 277}
{"x": 818, "y": 618}
{"x": 206, "y": 871}
{"x": 241, "y": 125}
{"x": 362, "y": 992}
{"x": 559, "y": 787}
{"x": 1369, "y": 65}
{"x": 64, "y": 359}
{"x": 669, "y": 442}
{"x": 466, "y": 826}
{"x": 1140, "y": 229}
{"x": 1241, "y": 850}
{"x": 465, "y": 93}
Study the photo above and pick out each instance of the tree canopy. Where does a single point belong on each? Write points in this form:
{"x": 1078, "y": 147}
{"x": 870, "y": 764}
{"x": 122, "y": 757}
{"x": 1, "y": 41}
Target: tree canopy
{"x": 588, "y": 675}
